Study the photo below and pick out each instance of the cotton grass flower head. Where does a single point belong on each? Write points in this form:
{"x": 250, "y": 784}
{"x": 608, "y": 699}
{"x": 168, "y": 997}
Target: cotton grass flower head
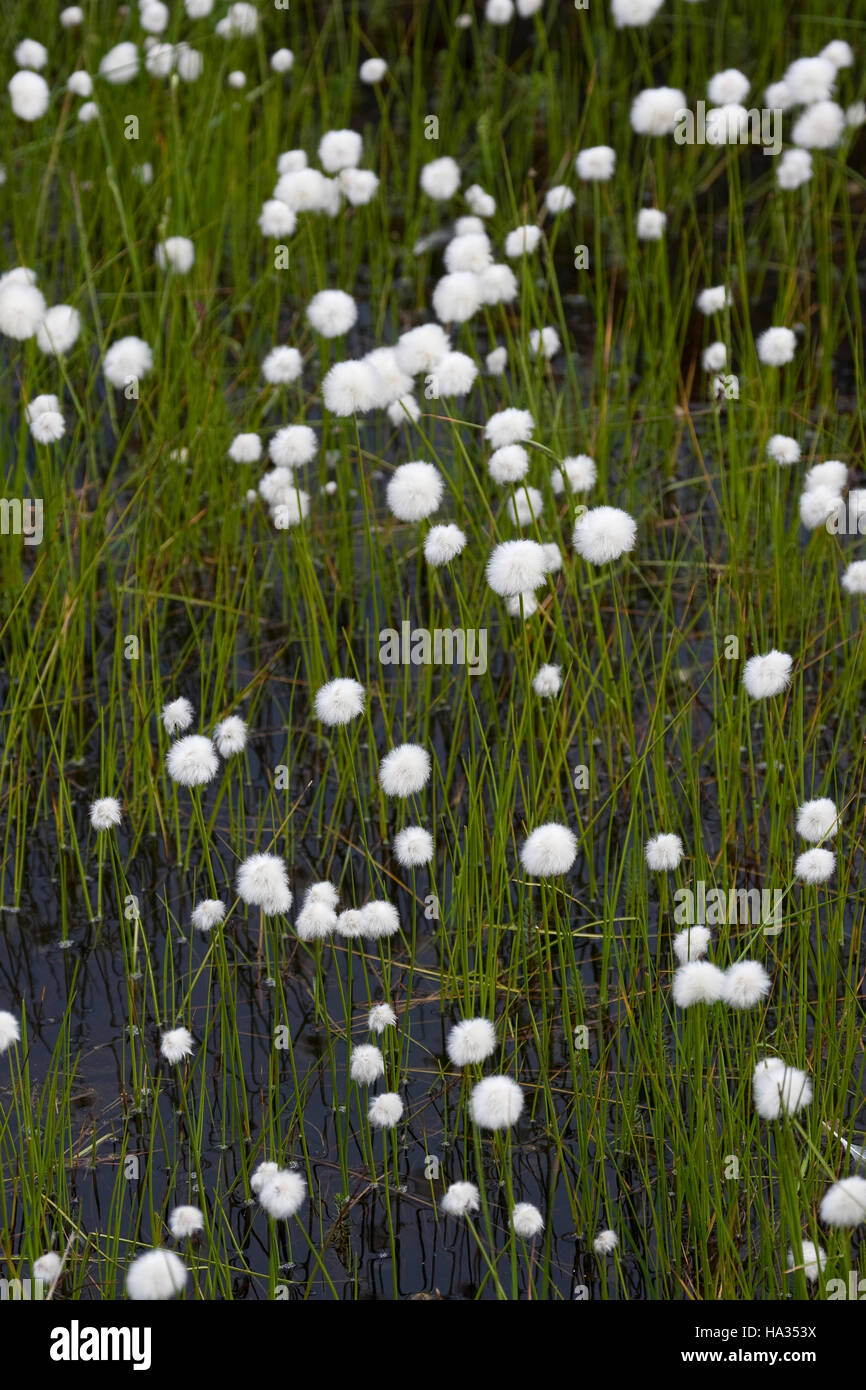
{"x": 656, "y": 110}
{"x": 812, "y": 1259}
{"x": 421, "y": 349}
{"x": 404, "y": 411}
{"x": 282, "y": 1194}
{"x": 230, "y": 736}
{"x": 457, "y": 297}
{"x": 378, "y": 920}
{"x": 775, "y": 347}
{"x": 522, "y": 241}
{"x": 385, "y": 1110}
{"x": 87, "y": 112}
{"x": 509, "y": 464}
{"x": 509, "y": 426}
{"x": 697, "y": 982}
{"x": 22, "y": 308}
{"x": 71, "y": 17}
{"x": 663, "y": 853}
{"x": 746, "y": 984}
{"x": 526, "y": 1221}
{"x": 470, "y": 251}
{"x": 58, "y": 330}
{"x": 176, "y": 1045}
{"x": 603, "y": 534}
{"x": 498, "y": 285}
{"x": 185, "y": 1222}
{"x": 405, "y": 771}
{"x": 176, "y": 253}
{"x": 366, "y": 1064}
{"x": 596, "y": 165}
{"x": 635, "y": 14}
{"x": 443, "y": 543}
{"x": 207, "y": 914}
{"x": 559, "y": 199}
{"x": 496, "y": 361}
{"x": 455, "y": 374}
{"x": 293, "y": 446}
{"x": 651, "y": 224}
{"x": 817, "y": 819}
{"x": 605, "y": 1243}
{"x": 779, "y": 1089}
{"x": 713, "y": 300}
{"x": 521, "y": 605}
{"x": 461, "y": 1199}
{"x": 372, "y": 70}
{"x": 413, "y": 847}
{"x": 415, "y": 491}
{"x": 470, "y": 1042}
{"x": 332, "y": 313}
{"x": 844, "y": 1204}
{"x": 832, "y": 475}
{"x": 516, "y": 567}
{"x": 316, "y": 921}
{"x": 496, "y": 1103}
{"x": 381, "y": 1016}
{"x": 525, "y": 505}
{"x": 479, "y": 201}
{"x": 105, "y": 813}
{"x": 282, "y": 365}
{"x": 692, "y": 943}
{"x": 120, "y": 64}
{"x": 578, "y": 473}
{"x": 245, "y": 448}
{"x": 262, "y": 881}
{"x": 282, "y": 60}
{"x": 714, "y": 357}
{"x": 818, "y": 504}
{"x": 339, "y": 701}
{"x": 358, "y": 186}
{"x": 80, "y": 83}
{"x": 340, "y": 149}
{"x": 547, "y": 681}
{"x": 810, "y": 80}
{"x": 794, "y": 169}
{"x": 276, "y": 219}
{"x": 731, "y": 85}
{"x": 783, "y": 450}
{"x": 815, "y": 865}
{"x": 177, "y": 715}
{"x": 767, "y": 674}
{"x": 854, "y": 578}
{"x": 549, "y": 850}
{"x": 544, "y": 342}
{"x": 126, "y": 360}
{"x": 440, "y": 179}
{"x": 47, "y": 1267}
{"x": 499, "y": 12}
{"x": 192, "y": 761}
{"x": 10, "y": 1030}
{"x": 29, "y": 53}
{"x": 156, "y": 1276}
{"x": 29, "y": 95}
{"x": 44, "y": 417}
{"x": 820, "y": 127}
{"x": 351, "y": 388}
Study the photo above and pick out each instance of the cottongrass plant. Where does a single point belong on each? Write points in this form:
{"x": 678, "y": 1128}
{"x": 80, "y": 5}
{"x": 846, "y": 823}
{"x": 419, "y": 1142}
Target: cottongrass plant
{"x": 243, "y": 490}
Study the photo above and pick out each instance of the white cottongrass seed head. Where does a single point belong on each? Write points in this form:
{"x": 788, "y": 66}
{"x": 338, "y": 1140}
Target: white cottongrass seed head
{"x": 156, "y": 1276}
{"x": 767, "y": 674}
{"x": 339, "y": 701}
{"x": 405, "y": 770}
{"x": 496, "y": 1103}
{"x": 192, "y": 761}
{"x": 470, "y": 1042}
{"x": 549, "y": 850}
{"x": 603, "y": 534}
{"x": 263, "y": 881}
